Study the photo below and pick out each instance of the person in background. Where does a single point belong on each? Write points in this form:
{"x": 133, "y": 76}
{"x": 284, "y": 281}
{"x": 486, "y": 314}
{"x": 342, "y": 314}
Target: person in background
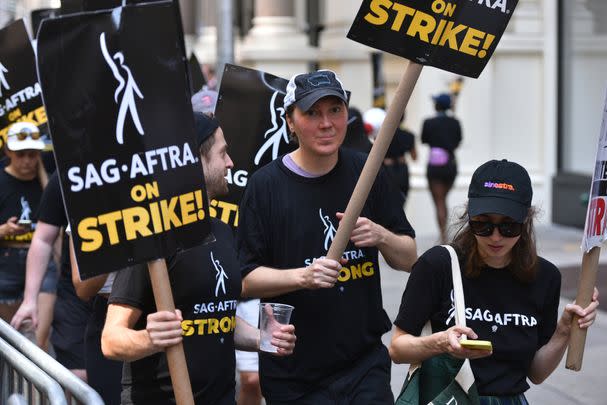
{"x": 21, "y": 184}
{"x": 373, "y": 118}
{"x": 247, "y": 363}
{"x": 395, "y": 161}
{"x": 511, "y": 294}
{"x": 443, "y": 134}
{"x": 70, "y": 314}
{"x": 103, "y": 375}
{"x": 205, "y": 100}
{"x": 356, "y": 135}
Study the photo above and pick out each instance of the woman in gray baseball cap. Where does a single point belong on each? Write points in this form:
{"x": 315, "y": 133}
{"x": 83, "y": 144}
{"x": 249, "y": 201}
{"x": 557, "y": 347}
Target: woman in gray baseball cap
{"x": 511, "y": 293}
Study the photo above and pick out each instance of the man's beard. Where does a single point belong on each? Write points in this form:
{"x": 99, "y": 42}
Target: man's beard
{"x": 217, "y": 186}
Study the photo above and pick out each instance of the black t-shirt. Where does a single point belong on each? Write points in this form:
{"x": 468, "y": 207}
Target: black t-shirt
{"x": 285, "y": 222}
{"x": 443, "y": 132}
{"x": 206, "y": 285}
{"x": 402, "y": 142}
{"x": 52, "y": 212}
{"x": 18, "y": 198}
{"x": 518, "y": 318}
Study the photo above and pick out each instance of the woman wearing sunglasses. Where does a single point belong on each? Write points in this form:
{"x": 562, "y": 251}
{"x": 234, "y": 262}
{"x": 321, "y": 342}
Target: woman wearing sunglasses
{"x": 21, "y": 184}
{"x": 511, "y": 294}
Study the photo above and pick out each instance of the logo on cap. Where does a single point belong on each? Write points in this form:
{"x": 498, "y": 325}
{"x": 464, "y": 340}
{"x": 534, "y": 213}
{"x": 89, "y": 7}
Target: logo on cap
{"x": 127, "y": 104}
{"x": 3, "y": 82}
{"x": 502, "y": 186}
{"x": 319, "y": 79}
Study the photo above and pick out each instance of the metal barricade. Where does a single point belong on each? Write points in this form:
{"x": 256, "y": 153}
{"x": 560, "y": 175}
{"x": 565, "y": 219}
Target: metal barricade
{"x": 19, "y": 375}
{"x": 29, "y": 371}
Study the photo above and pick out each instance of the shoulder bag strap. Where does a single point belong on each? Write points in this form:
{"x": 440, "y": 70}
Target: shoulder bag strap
{"x": 464, "y": 377}
{"x": 458, "y": 289}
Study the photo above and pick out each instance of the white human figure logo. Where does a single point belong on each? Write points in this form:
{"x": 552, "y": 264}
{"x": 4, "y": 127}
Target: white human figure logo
{"x": 220, "y": 275}
{"x": 3, "y": 82}
{"x": 276, "y": 134}
{"x": 25, "y": 210}
{"x": 127, "y": 104}
{"x": 452, "y": 309}
{"x": 329, "y": 230}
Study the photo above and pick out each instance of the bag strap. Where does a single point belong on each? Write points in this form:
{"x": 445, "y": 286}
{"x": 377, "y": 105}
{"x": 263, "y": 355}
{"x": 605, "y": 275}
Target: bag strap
{"x": 458, "y": 289}
{"x": 464, "y": 377}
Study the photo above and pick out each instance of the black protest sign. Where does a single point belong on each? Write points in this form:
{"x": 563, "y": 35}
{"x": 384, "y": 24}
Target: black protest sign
{"x": 251, "y": 113}
{"x": 454, "y": 35}
{"x": 196, "y": 76}
{"x": 20, "y": 95}
{"x": 121, "y": 120}
{"x": 40, "y": 14}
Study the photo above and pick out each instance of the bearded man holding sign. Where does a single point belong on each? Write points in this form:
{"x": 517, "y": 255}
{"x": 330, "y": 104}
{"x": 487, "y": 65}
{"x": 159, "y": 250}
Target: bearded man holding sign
{"x": 206, "y": 286}
{"x": 289, "y": 215}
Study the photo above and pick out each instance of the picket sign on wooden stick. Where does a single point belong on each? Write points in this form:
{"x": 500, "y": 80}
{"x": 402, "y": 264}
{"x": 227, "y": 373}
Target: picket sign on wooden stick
{"x": 178, "y": 367}
{"x": 577, "y": 340}
{"x": 595, "y": 234}
{"x": 375, "y": 159}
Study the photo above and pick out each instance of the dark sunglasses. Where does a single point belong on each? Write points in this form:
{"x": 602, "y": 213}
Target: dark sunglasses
{"x": 24, "y": 134}
{"x": 506, "y": 229}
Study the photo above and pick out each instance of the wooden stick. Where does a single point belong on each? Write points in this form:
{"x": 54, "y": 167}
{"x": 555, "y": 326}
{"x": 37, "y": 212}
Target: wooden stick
{"x": 178, "y": 367}
{"x": 577, "y": 340}
{"x": 375, "y": 159}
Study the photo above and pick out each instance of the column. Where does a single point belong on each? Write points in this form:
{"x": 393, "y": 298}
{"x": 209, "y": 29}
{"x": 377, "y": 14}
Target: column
{"x": 188, "y": 20}
{"x": 205, "y": 46}
{"x": 275, "y": 44}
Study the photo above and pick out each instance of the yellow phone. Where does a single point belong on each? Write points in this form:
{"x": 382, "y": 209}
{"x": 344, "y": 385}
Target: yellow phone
{"x": 476, "y": 344}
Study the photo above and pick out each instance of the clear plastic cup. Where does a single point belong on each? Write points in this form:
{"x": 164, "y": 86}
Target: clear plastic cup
{"x": 271, "y": 316}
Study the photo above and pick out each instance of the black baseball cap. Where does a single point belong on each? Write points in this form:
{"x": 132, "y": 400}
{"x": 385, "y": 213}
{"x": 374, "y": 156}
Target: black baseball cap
{"x": 305, "y": 89}
{"x": 500, "y": 187}
{"x": 205, "y": 126}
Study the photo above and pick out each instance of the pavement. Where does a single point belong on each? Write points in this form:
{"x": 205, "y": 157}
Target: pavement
{"x": 560, "y": 245}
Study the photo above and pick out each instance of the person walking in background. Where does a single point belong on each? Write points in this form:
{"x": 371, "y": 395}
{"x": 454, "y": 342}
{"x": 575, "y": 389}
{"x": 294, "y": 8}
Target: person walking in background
{"x": 511, "y": 294}
{"x": 356, "y": 135}
{"x": 395, "y": 160}
{"x": 70, "y": 314}
{"x": 443, "y": 134}
{"x": 21, "y": 185}
{"x": 103, "y": 375}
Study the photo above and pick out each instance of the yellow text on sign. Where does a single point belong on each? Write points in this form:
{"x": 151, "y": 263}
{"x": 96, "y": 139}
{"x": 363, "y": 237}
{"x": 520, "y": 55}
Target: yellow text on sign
{"x": 428, "y": 28}
{"x": 141, "y": 221}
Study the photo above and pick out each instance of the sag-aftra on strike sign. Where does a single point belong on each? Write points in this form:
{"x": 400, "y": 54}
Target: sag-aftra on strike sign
{"x": 459, "y": 35}
{"x": 116, "y": 92}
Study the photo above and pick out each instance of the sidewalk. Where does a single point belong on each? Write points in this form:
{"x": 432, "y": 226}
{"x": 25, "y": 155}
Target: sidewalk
{"x": 560, "y": 245}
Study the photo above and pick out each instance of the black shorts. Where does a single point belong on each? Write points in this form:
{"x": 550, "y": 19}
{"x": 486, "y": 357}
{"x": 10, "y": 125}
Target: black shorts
{"x": 366, "y": 382}
{"x": 445, "y": 174}
{"x": 12, "y": 275}
{"x": 69, "y": 323}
